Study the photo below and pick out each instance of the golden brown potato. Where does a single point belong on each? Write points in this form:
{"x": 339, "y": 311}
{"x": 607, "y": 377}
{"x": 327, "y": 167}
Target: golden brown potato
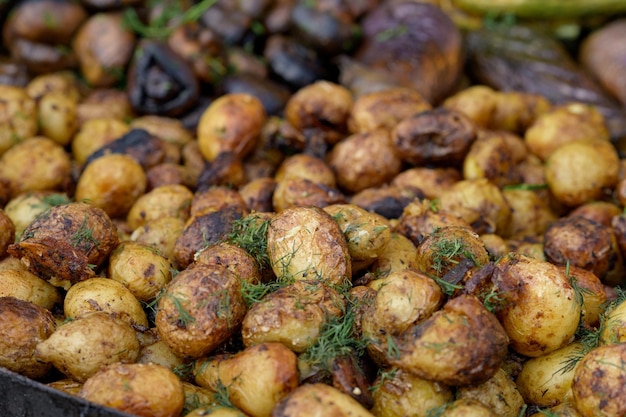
{"x": 590, "y": 292}
{"x": 305, "y": 243}
{"x": 477, "y": 102}
{"x": 160, "y": 353}
{"x": 599, "y": 211}
{"x": 105, "y": 103}
{"x": 579, "y": 171}
{"x": 167, "y": 129}
{"x": 216, "y": 198}
{"x": 256, "y": 378}
{"x": 104, "y": 294}
{"x": 113, "y": 183}
{"x": 495, "y": 245}
{"x": 366, "y": 233}
{"x": 95, "y": 133}
{"x": 499, "y": 394}
{"x": 364, "y": 160}
{"x": 582, "y": 243}
{"x": 319, "y": 399}
{"x": 165, "y": 201}
{"x": 57, "y": 117}
{"x": 306, "y": 166}
{"x": 541, "y": 311}
{"x": 434, "y": 137}
{"x": 461, "y": 344}
{"x": 200, "y": 398}
{"x": 388, "y": 200}
{"x": 63, "y": 81}
{"x": 404, "y": 394}
{"x": 23, "y": 326}
{"x": 565, "y": 124}
{"x": 67, "y": 243}
{"x": 24, "y": 208}
{"x": 83, "y": 346}
{"x": 161, "y": 234}
{"x": 384, "y": 109}
{"x": 547, "y": 379}
{"x": 232, "y": 123}
{"x": 19, "y": 116}
{"x": 530, "y": 213}
{"x": 495, "y": 156}
{"x": 466, "y": 408}
{"x": 35, "y": 164}
{"x": 232, "y": 257}
{"x": 479, "y": 202}
{"x": 613, "y": 328}
{"x": 419, "y": 219}
{"x": 7, "y": 232}
{"x": 26, "y": 286}
{"x": 293, "y": 315}
{"x": 515, "y": 111}
{"x": 258, "y": 193}
{"x": 322, "y": 107}
{"x": 200, "y": 309}
{"x": 430, "y": 181}
{"x": 450, "y": 250}
{"x": 597, "y": 387}
{"x": 397, "y": 255}
{"x": 147, "y": 390}
{"x": 302, "y": 192}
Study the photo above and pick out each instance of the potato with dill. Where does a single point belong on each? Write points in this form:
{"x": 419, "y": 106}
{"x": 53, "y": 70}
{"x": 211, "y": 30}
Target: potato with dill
{"x": 305, "y": 243}
{"x": 19, "y": 116}
{"x": 200, "y": 309}
{"x": 67, "y": 243}
{"x": 255, "y": 379}
{"x": 499, "y": 393}
{"x": 23, "y": 326}
{"x": 83, "y": 346}
{"x": 147, "y": 390}
{"x": 24, "y": 208}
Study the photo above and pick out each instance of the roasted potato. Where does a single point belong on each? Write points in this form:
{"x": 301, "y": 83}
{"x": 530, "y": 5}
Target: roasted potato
{"x": 26, "y": 286}
{"x": 161, "y": 234}
{"x": 24, "y": 208}
{"x": 165, "y": 201}
{"x": 23, "y": 325}
{"x": 613, "y": 329}
{"x": 310, "y": 400}
{"x": 19, "y": 116}
{"x": 57, "y": 114}
{"x": 499, "y": 394}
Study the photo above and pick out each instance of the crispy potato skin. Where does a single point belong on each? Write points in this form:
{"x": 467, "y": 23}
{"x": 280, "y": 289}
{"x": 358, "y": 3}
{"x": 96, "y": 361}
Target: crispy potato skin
{"x": 598, "y": 385}
{"x": 499, "y": 394}
{"x": 146, "y": 390}
{"x": 305, "y": 243}
{"x": 461, "y": 344}
{"x": 257, "y": 378}
{"x": 312, "y": 400}
{"x": 23, "y": 326}
{"x": 201, "y": 308}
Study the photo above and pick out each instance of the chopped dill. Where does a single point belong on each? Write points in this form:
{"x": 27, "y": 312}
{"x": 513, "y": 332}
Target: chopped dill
{"x": 83, "y": 237}
{"x": 526, "y": 187}
{"x": 184, "y": 318}
{"x": 383, "y": 376}
{"x": 250, "y": 234}
{"x": 447, "y": 288}
{"x": 253, "y": 293}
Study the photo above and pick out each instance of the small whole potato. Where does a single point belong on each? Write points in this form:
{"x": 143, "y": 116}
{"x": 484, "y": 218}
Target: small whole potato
{"x": 200, "y": 309}
{"x": 57, "y": 117}
{"x": 305, "y": 243}
{"x": 23, "y": 326}
{"x": 165, "y": 201}
{"x": 405, "y": 394}
{"x": 23, "y": 209}
{"x": 26, "y": 286}
{"x": 499, "y": 394}
{"x": 35, "y": 164}
{"x": 104, "y": 294}
{"x": 466, "y": 408}
{"x": 161, "y": 354}
{"x": 530, "y": 213}
{"x": 579, "y": 171}
{"x": 613, "y": 328}
{"x": 18, "y": 120}
{"x": 160, "y": 234}
{"x": 598, "y": 389}
{"x": 306, "y": 166}
{"x": 431, "y": 181}
{"x": 311, "y": 400}
{"x": 256, "y": 378}
{"x": 113, "y": 183}
{"x": 95, "y": 133}
{"x": 83, "y": 346}
{"x": 397, "y": 255}
{"x": 234, "y": 258}
{"x": 146, "y": 390}
{"x": 232, "y": 123}
{"x": 302, "y": 192}
{"x": 7, "y": 232}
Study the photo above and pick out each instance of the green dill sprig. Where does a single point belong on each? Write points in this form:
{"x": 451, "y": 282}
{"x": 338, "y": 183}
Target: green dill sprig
{"x": 526, "y": 187}
{"x": 184, "y": 317}
{"x": 83, "y": 237}
{"x": 250, "y": 234}
{"x": 253, "y": 293}
{"x": 446, "y": 250}
{"x": 383, "y": 376}
{"x": 447, "y": 288}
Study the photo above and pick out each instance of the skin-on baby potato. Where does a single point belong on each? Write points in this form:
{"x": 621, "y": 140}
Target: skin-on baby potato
{"x": 35, "y": 164}
{"x": 57, "y": 117}
{"x": 306, "y": 166}
{"x": 613, "y": 328}
{"x": 293, "y": 315}
{"x": 24, "y": 208}
{"x": 598, "y": 388}
{"x": 7, "y": 232}
{"x": 495, "y": 156}
{"x": 547, "y": 380}
{"x": 215, "y": 198}
{"x": 515, "y": 111}
{"x": 95, "y": 133}
{"x": 591, "y": 293}
{"x": 430, "y": 181}
{"x": 67, "y": 243}
{"x": 565, "y": 124}
{"x": 541, "y": 311}
{"x": 404, "y": 394}
{"x": 146, "y": 390}
{"x": 104, "y": 294}
{"x": 113, "y": 183}
{"x": 166, "y": 128}
{"x": 140, "y": 268}
{"x": 161, "y": 234}
{"x": 310, "y": 400}
{"x": 322, "y": 107}
{"x": 161, "y": 354}
{"x": 256, "y": 378}
{"x": 165, "y": 201}
{"x": 530, "y": 213}
{"x": 200, "y": 309}
{"x": 23, "y": 326}
{"x": 466, "y": 408}
{"x": 499, "y": 394}
{"x": 384, "y": 109}
{"x": 258, "y": 193}
{"x": 477, "y": 102}
{"x": 579, "y": 172}
{"x": 83, "y": 346}
{"x": 232, "y": 123}
{"x": 305, "y": 243}
{"x": 232, "y": 257}
{"x": 479, "y": 202}
{"x": 582, "y": 243}
{"x": 397, "y": 255}
{"x": 105, "y": 103}
{"x": 366, "y": 233}
{"x": 365, "y": 160}
{"x": 302, "y": 192}
{"x": 388, "y": 200}
{"x": 26, "y": 286}
{"x": 19, "y": 116}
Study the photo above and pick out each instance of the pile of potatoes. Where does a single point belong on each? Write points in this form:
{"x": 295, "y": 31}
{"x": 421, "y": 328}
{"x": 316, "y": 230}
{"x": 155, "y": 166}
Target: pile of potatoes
{"x": 361, "y": 255}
